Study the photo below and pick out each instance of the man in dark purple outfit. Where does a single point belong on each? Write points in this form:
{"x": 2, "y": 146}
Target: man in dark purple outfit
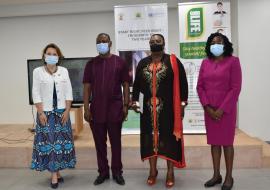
{"x": 103, "y": 77}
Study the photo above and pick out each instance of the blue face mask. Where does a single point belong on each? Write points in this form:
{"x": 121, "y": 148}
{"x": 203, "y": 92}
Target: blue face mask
{"x": 51, "y": 59}
{"x": 217, "y": 49}
{"x": 103, "y": 48}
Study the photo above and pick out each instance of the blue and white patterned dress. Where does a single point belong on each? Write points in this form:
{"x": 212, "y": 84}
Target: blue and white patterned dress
{"x": 53, "y": 148}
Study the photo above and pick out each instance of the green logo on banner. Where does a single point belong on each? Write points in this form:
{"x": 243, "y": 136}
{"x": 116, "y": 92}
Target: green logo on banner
{"x": 195, "y": 22}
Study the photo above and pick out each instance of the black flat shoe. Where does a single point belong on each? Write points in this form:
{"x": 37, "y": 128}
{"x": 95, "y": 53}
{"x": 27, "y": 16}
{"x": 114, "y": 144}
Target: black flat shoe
{"x": 54, "y": 185}
{"x": 212, "y": 183}
{"x": 119, "y": 179}
{"x": 60, "y": 180}
{"x": 100, "y": 179}
{"x": 227, "y": 187}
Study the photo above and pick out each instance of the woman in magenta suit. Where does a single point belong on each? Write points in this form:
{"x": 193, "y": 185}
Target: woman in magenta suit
{"x": 218, "y": 87}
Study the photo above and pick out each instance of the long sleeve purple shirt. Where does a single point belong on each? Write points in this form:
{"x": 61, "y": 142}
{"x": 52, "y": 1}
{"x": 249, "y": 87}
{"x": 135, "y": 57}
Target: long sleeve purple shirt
{"x": 106, "y": 75}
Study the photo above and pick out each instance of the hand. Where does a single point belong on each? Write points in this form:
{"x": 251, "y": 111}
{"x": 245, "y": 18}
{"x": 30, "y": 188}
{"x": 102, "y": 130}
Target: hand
{"x": 88, "y": 116}
{"x": 177, "y": 135}
{"x": 211, "y": 112}
{"x": 219, "y": 114}
{"x": 65, "y": 117}
{"x": 135, "y": 107}
{"x": 125, "y": 112}
{"x": 42, "y": 118}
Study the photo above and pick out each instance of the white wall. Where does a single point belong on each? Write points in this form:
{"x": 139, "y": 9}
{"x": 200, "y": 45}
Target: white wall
{"x": 23, "y": 38}
{"x": 254, "y": 51}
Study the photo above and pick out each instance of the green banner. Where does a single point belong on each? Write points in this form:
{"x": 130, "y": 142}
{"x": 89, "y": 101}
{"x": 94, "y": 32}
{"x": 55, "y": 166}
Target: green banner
{"x": 192, "y": 50}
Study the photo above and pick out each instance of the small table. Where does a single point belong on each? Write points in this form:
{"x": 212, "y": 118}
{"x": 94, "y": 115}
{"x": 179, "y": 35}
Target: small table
{"x": 78, "y": 125}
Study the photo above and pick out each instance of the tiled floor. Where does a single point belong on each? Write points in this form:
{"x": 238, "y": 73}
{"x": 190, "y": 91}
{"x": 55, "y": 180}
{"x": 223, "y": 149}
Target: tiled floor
{"x": 23, "y": 179}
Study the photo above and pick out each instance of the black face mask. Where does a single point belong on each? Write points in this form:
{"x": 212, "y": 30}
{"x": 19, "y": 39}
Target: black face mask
{"x": 156, "y": 47}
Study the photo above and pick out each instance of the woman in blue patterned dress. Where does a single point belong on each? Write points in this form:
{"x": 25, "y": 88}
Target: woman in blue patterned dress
{"x": 53, "y": 148}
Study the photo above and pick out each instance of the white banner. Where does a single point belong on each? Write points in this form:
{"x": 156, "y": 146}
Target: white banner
{"x": 196, "y": 22}
{"x": 134, "y": 24}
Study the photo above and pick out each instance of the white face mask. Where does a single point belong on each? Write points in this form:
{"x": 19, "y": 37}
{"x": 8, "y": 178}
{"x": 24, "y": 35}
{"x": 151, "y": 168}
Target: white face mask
{"x": 51, "y": 59}
{"x": 217, "y": 49}
{"x": 103, "y": 48}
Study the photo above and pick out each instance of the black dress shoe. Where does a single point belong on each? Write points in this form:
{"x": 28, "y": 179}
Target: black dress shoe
{"x": 227, "y": 187}
{"x": 60, "y": 180}
{"x": 212, "y": 183}
{"x": 100, "y": 179}
{"x": 119, "y": 179}
{"x": 54, "y": 185}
